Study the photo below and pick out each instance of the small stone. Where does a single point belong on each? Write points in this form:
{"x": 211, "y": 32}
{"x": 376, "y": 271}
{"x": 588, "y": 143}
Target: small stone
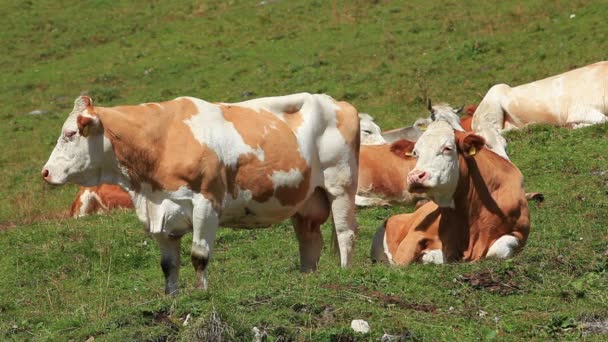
{"x": 360, "y": 326}
{"x": 572, "y": 16}
{"x": 38, "y": 112}
{"x": 187, "y": 320}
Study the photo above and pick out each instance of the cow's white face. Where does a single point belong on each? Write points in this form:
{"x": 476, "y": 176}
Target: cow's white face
{"x": 370, "y": 131}
{"x": 81, "y": 149}
{"x": 437, "y": 167}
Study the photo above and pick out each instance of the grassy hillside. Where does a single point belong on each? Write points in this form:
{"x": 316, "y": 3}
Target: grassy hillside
{"x": 68, "y": 279}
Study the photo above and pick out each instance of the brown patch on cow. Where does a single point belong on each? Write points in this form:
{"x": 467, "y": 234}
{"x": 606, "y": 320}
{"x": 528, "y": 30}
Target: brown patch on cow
{"x": 266, "y": 132}
{"x": 382, "y": 173}
{"x": 403, "y": 148}
{"x": 347, "y": 120}
{"x": 467, "y": 119}
{"x": 156, "y": 147}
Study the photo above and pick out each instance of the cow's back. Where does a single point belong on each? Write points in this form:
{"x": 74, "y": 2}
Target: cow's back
{"x": 553, "y": 99}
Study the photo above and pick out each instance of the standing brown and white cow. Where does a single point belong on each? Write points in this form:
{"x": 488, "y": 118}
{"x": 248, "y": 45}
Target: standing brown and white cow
{"x": 576, "y": 98}
{"x": 478, "y": 206}
{"x": 191, "y": 165}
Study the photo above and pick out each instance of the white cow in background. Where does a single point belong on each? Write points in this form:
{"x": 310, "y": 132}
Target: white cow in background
{"x": 575, "y": 99}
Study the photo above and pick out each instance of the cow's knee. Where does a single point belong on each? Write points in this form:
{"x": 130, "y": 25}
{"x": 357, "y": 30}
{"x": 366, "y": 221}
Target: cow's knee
{"x": 200, "y": 260}
{"x": 504, "y": 247}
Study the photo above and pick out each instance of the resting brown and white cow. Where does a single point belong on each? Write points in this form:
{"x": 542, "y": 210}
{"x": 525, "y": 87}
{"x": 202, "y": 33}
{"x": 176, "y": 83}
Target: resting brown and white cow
{"x": 381, "y": 171}
{"x": 382, "y": 162}
{"x": 191, "y": 165}
{"x": 576, "y": 98}
{"x": 478, "y": 206}
{"x": 99, "y": 199}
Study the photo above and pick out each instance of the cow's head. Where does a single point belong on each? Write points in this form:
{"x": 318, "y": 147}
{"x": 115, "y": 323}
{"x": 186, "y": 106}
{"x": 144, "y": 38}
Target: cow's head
{"x": 437, "y": 165}
{"x": 440, "y": 112}
{"x": 370, "y": 131}
{"x": 79, "y": 154}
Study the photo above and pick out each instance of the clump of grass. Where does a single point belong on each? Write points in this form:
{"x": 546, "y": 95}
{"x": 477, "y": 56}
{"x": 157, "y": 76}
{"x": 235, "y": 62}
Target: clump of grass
{"x": 213, "y": 328}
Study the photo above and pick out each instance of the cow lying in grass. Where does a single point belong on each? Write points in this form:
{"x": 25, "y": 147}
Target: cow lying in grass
{"x": 478, "y": 206}
{"x": 576, "y": 98}
{"x": 191, "y": 165}
{"x": 382, "y": 164}
{"x": 99, "y": 199}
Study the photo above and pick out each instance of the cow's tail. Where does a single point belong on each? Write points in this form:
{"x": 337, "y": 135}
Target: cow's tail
{"x": 377, "y": 252}
{"x": 335, "y": 247}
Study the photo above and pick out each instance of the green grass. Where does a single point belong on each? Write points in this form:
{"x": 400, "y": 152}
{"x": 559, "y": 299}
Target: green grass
{"x": 68, "y": 279}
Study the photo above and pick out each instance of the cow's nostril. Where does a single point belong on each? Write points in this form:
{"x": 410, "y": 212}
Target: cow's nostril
{"x": 45, "y": 173}
{"x": 421, "y": 175}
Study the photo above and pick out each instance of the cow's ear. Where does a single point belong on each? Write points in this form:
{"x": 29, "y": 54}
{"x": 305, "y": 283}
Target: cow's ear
{"x": 87, "y": 125}
{"x": 470, "y": 143}
{"x": 470, "y": 110}
{"x": 403, "y": 148}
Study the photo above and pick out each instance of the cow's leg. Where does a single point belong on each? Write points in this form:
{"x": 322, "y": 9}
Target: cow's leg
{"x": 310, "y": 241}
{"x": 345, "y": 225}
{"x": 169, "y": 261}
{"x": 307, "y": 225}
{"x": 583, "y": 117}
{"x": 504, "y": 247}
{"x": 205, "y": 221}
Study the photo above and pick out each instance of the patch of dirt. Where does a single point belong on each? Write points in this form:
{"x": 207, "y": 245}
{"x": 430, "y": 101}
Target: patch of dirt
{"x": 489, "y": 281}
{"x": 384, "y": 299}
{"x": 594, "y": 325}
{"x": 161, "y": 317}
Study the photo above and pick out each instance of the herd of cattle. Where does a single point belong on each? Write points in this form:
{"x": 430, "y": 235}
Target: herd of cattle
{"x": 190, "y": 165}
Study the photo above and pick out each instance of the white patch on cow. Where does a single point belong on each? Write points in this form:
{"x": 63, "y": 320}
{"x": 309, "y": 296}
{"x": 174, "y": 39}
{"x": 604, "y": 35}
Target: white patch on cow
{"x": 362, "y": 201}
{"x": 85, "y": 202}
{"x": 504, "y": 247}
{"x": 389, "y": 256}
{"x": 371, "y": 134}
{"x": 210, "y": 128}
{"x": 433, "y": 256}
{"x": 437, "y": 156}
{"x": 167, "y": 212}
{"x": 291, "y": 178}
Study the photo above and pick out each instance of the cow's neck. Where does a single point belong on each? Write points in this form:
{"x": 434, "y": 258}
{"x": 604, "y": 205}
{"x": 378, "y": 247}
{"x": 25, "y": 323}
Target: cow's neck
{"x": 480, "y": 176}
{"x": 137, "y": 140}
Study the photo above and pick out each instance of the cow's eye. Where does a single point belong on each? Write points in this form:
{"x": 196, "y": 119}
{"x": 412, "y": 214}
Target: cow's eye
{"x": 70, "y": 134}
{"x": 446, "y": 150}
{"x": 367, "y": 132}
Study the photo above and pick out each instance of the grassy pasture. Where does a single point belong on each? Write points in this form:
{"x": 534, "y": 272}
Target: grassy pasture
{"x": 65, "y": 279}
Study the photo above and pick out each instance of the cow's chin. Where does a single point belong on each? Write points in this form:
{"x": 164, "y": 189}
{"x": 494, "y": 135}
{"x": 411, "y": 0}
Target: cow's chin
{"x": 418, "y": 188}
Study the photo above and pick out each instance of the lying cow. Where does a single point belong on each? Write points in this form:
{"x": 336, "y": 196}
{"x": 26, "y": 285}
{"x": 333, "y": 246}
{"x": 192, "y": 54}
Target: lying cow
{"x": 383, "y": 164}
{"x": 191, "y": 165}
{"x": 576, "y": 98}
{"x": 478, "y": 206}
{"x": 99, "y": 199}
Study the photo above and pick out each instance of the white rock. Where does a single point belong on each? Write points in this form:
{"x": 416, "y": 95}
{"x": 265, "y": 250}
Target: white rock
{"x": 187, "y": 320}
{"x": 360, "y": 326}
{"x": 572, "y": 16}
